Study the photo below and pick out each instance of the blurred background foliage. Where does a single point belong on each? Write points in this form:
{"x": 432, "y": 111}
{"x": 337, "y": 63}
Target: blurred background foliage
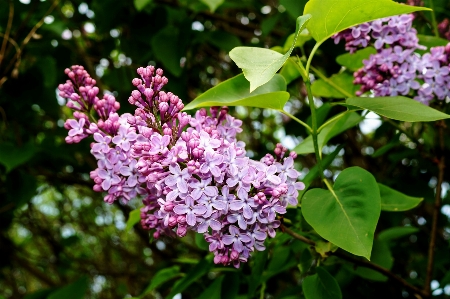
{"x": 58, "y": 239}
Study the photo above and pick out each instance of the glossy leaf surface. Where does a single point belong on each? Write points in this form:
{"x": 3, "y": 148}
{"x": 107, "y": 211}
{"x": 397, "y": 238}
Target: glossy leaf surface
{"x": 235, "y": 92}
{"x": 399, "y": 108}
{"x": 330, "y": 88}
{"x": 321, "y": 286}
{"x": 395, "y": 201}
{"x": 259, "y": 65}
{"x": 332, "y": 16}
{"x": 348, "y": 215}
{"x": 355, "y": 61}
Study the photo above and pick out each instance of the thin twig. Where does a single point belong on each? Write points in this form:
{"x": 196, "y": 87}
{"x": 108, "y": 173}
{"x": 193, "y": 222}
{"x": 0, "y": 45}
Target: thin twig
{"x": 436, "y": 210}
{"x": 7, "y": 31}
{"x": 30, "y": 35}
{"x": 359, "y": 262}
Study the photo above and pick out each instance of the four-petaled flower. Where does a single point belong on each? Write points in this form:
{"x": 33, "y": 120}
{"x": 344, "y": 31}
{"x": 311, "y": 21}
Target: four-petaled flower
{"x": 190, "y": 209}
{"x": 236, "y": 237}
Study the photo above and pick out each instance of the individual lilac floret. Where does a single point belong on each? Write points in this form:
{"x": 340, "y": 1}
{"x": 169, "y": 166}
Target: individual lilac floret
{"x": 192, "y": 172}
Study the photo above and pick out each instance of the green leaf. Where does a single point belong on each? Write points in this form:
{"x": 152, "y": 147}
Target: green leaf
{"x": 260, "y": 259}
{"x": 314, "y": 172}
{"x": 281, "y": 260}
{"x": 260, "y": 65}
{"x": 294, "y": 7}
{"x": 396, "y": 232}
{"x": 431, "y": 41}
{"x": 235, "y": 92}
{"x": 161, "y": 277}
{"x": 141, "y": 4}
{"x": 324, "y": 248}
{"x": 354, "y": 61}
{"x": 133, "y": 219}
{"x": 323, "y": 88}
{"x": 348, "y": 215}
{"x": 321, "y": 286}
{"x": 332, "y": 16}
{"x": 301, "y": 39}
{"x": 213, "y": 290}
{"x": 12, "y": 156}
{"x": 290, "y": 70}
{"x": 332, "y": 129}
{"x": 305, "y": 261}
{"x": 399, "y": 108}
{"x": 75, "y": 290}
{"x": 165, "y": 45}
{"x": 269, "y": 23}
{"x": 201, "y": 242}
{"x": 198, "y": 271}
{"x": 382, "y": 256}
{"x": 212, "y": 4}
{"x": 224, "y": 40}
{"x": 395, "y": 201}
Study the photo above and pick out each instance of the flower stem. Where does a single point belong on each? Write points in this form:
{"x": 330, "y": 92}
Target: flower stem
{"x": 297, "y": 120}
{"x": 314, "y": 132}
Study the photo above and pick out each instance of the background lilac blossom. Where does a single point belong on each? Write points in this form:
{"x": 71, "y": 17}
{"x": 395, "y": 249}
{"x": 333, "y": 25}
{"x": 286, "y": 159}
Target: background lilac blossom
{"x": 396, "y": 68}
{"x": 192, "y": 172}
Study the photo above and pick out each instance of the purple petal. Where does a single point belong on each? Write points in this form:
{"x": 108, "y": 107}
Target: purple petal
{"x": 238, "y": 246}
{"x": 236, "y": 205}
{"x": 199, "y": 210}
{"x": 215, "y": 225}
{"x": 191, "y": 219}
{"x": 259, "y": 235}
{"x": 227, "y": 239}
{"x": 182, "y": 186}
{"x": 181, "y": 209}
{"x": 248, "y": 212}
{"x": 245, "y": 238}
{"x": 219, "y": 205}
{"x": 202, "y": 227}
{"x": 211, "y": 191}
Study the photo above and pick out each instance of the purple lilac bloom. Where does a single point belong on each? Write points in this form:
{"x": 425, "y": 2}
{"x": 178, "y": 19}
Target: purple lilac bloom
{"x": 396, "y": 69}
{"x": 192, "y": 172}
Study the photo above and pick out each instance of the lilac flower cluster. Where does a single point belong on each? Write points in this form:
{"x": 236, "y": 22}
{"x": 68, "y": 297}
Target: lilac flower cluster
{"x": 396, "y": 69}
{"x": 191, "y": 171}
{"x": 392, "y": 31}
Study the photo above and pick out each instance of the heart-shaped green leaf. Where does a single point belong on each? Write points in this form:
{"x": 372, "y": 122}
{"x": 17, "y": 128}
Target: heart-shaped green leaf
{"x": 394, "y": 201}
{"x": 346, "y": 216}
{"x": 399, "y": 108}
{"x": 235, "y": 92}
{"x": 314, "y": 172}
{"x": 332, "y": 129}
{"x": 260, "y": 65}
{"x": 321, "y": 286}
{"x": 331, "y": 16}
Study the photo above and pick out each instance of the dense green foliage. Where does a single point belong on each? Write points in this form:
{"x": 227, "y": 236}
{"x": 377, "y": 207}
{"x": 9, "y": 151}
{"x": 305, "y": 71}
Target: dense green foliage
{"x": 58, "y": 239}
